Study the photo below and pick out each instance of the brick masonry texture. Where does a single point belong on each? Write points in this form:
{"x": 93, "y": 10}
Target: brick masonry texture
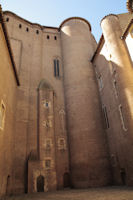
{"x": 69, "y": 123}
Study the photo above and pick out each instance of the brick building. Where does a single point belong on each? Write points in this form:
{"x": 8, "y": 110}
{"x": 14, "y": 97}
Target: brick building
{"x": 73, "y": 113}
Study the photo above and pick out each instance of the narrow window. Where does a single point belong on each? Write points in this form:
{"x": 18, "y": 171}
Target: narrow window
{"x": 115, "y": 88}
{"x": 2, "y": 115}
{"x": 27, "y": 29}
{"x": 100, "y": 82}
{"x": 48, "y": 144}
{"x": 105, "y": 117}
{"x": 46, "y": 104}
{"x": 48, "y": 37}
{"x": 7, "y": 19}
{"x": 55, "y": 37}
{"x": 56, "y": 68}
{"x": 47, "y": 163}
{"x": 37, "y": 32}
{"x": 20, "y": 26}
{"x": 58, "y": 72}
{"x": 122, "y": 118}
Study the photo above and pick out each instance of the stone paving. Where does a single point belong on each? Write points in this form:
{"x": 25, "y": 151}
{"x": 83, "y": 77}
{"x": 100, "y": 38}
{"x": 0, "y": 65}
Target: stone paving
{"x": 106, "y": 193}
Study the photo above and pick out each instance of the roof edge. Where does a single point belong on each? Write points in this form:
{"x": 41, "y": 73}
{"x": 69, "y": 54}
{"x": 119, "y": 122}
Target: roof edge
{"x": 70, "y": 18}
{"x": 33, "y": 24}
{"x": 108, "y": 16}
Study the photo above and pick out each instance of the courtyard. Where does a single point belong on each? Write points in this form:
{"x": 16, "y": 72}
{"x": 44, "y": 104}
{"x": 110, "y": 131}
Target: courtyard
{"x": 105, "y": 193}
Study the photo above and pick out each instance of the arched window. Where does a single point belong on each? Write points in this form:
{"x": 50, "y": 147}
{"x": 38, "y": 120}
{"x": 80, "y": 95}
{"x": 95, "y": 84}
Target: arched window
{"x": 56, "y": 68}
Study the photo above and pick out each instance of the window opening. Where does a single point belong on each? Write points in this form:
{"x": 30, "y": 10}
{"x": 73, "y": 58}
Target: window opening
{"x": 47, "y": 163}
{"x": 37, "y": 32}
{"x": 100, "y": 82}
{"x": 20, "y": 26}
{"x": 105, "y": 117}
{"x": 58, "y": 72}
{"x": 48, "y": 144}
{"x": 46, "y": 104}
{"x": 48, "y": 37}
{"x": 122, "y": 118}
{"x": 115, "y": 88}
{"x": 56, "y": 68}
{"x": 2, "y": 115}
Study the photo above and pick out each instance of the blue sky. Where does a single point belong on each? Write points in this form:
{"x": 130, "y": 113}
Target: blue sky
{"x": 53, "y": 12}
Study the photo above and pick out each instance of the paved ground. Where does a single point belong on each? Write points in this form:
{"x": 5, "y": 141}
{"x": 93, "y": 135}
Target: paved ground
{"x": 106, "y": 193}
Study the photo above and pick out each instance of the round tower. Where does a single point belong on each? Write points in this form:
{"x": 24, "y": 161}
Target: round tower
{"x": 88, "y": 158}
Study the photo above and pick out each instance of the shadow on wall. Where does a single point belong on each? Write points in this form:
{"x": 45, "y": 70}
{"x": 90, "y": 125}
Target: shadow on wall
{"x": 116, "y": 94}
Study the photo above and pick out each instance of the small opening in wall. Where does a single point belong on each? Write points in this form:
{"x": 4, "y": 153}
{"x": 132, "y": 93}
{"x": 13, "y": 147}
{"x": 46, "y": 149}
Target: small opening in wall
{"x": 47, "y": 163}
{"x": 7, "y": 19}
{"x": 27, "y": 29}
{"x": 20, "y": 25}
{"x": 2, "y": 115}
{"x": 66, "y": 180}
{"x": 106, "y": 120}
{"x": 123, "y": 176}
{"x": 48, "y": 144}
{"x": 40, "y": 183}
{"x": 37, "y": 32}
{"x": 55, "y": 37}
{"x": 122, "y": 118}
{"x": 48, "y": 37}
{"x": 46, "y": 104}
{"x": 8, "y": 185}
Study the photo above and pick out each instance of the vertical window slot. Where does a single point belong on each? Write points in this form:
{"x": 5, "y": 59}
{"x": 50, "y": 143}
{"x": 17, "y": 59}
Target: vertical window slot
{"x": 106, "y": 117}
{"x": 55, "y": 68}
{"x": 122, "y": 118}
{"x": 58, "y": 72}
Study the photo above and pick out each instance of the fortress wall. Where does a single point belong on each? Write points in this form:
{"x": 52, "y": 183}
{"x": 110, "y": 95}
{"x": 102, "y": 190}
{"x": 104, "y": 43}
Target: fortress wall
{"x": 88, "y": 153}
{"x": 34, "y": 54}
